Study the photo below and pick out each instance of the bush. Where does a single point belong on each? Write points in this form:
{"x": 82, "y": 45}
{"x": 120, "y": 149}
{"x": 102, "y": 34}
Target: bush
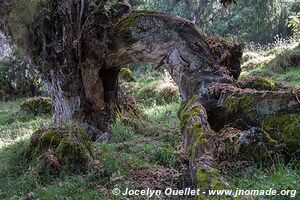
{"x": 294, "y": 24}
{"x": 126, "y": 75}
{"x": 161, "y": 92}
{"x": 288, "y": 59}
{"x": 37, "y": 105}
{"x": 18, "y": 78}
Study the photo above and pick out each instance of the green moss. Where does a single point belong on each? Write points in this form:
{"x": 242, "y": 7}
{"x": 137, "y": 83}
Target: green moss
{"x": 51, "y": 137}
{"x": 126, "y": 75}
{"x": 264, "y": 84}
{"x": 130, "y": 22}
{"x": 209, "y": 179}
{"x": 198, "y": 139}
{"x": 69, "y": 143}
{"x": 193, "y": 112}
{"x": 285, "y": 129}
{"x": 198, "y": 134}
{"x": 235, "y": 104}
{"x": 186, "y": 105}
{"x": 37, "y": 105}
{"x": 73, "y": 155}
{"x": 197, "y": 131}
{"x": 192, "y": 153}
{"x": 268, "y": 140}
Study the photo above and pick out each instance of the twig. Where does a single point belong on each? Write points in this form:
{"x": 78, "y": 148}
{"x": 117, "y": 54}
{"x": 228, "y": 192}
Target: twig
{"x": 293, "y": 91}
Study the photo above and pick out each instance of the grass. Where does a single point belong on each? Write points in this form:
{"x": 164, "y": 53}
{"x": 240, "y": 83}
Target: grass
{"x": 15, "y": 126}
{"x": 284, "y": 177}
{"x": 145, "y": 144}
{"x": 281, "y": 63}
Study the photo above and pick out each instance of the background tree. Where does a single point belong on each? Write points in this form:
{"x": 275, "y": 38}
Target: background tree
{"x": 256, "y": 21}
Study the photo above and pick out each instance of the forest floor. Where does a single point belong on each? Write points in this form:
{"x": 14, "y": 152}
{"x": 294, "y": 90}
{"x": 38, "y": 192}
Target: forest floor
{"x": 145, "y": 150}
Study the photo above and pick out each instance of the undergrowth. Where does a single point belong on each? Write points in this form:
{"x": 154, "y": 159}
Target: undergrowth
{"x": 149, "y": 144}
{"x": 279, "y": 62}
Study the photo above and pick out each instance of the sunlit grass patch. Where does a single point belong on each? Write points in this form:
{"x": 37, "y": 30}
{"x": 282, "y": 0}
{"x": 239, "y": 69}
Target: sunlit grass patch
{"x": 283, "y": 177}
{"x": 15, "y": 126}
{"x": 280, "y": 62}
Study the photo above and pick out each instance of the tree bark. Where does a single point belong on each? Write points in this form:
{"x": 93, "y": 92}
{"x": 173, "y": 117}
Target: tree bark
{"x": 78, "y": 48}
{"x": 206, "y": 80}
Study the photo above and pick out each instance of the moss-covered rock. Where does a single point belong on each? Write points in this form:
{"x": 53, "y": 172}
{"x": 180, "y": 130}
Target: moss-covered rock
{"x": 126, "y": 74}
{"x": 285, "y": 129}
{"x": 37, "y": 105}
{"x": 65, "y": 147}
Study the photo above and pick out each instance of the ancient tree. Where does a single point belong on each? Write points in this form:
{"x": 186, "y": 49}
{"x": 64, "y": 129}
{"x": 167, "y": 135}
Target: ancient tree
{"x": 79, "y": 46}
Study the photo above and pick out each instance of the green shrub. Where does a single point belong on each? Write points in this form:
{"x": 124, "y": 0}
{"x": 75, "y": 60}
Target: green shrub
{"x": 125, "y": 74}
{"x": 23, "y": 15}
{"x": 37, "y": 105}
{"x": 294, "y": 23}
{"x": 18, "y": 78}
{"x": 287, "y": 59}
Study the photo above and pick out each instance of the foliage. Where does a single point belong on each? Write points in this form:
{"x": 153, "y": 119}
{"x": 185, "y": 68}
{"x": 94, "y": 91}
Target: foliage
{"x": 279, "y": 62}
{"x": 148, "y": 143}
{"x": 23, "y": 14}
{"x": 294, "y": 24}
{"x": 258, "y": 21}
{"x": 280, "y": 177}
{"x": 18, "y": 78}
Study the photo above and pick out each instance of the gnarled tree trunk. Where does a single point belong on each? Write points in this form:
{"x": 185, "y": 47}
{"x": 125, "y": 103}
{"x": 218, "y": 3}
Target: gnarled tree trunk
{"x": 78, "y": 47}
